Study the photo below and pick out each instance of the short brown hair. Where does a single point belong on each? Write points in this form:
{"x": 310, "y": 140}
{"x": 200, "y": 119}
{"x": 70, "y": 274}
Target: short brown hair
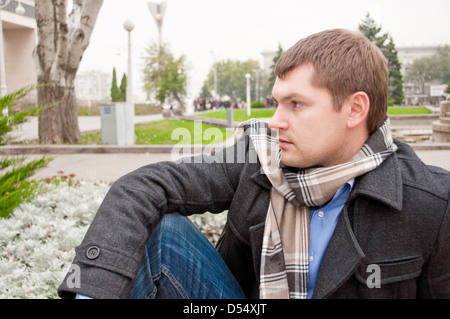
{"x": 345, "y": 62}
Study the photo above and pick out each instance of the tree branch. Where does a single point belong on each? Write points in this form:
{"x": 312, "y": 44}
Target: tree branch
{"x": 45, "y": 51}
{"x": 62, "y": 42}
{"x": 82, "y": 21}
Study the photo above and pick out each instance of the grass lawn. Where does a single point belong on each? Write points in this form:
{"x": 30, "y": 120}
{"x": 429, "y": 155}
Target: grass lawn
{"x": 241, "y": 115}
{"x": 171, "y": 132}
{"x": 408, "y": 110}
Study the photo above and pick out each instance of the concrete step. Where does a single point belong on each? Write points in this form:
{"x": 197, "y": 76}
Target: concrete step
{"x": 445, "y": 120}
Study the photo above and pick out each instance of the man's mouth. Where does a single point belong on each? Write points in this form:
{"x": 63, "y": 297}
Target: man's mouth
{"x": 283, "y": 143}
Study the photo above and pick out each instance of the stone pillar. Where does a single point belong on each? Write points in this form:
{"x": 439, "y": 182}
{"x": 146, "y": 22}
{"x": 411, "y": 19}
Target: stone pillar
{"x": 441, "y": 128}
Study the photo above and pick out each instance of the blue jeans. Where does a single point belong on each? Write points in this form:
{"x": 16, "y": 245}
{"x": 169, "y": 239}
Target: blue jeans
{"x": 180, "y": 262}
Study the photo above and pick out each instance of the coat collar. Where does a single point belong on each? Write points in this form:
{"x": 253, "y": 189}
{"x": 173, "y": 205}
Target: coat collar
{"x": 261, "y": 179}
{"x": 383, "y": 184}
{"x": 344, "y": 255}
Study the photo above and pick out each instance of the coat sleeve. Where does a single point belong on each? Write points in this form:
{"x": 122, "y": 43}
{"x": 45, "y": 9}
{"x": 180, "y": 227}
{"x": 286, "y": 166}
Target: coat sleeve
{"x": 438, "y": 274}
{"x": 107, "y": 260}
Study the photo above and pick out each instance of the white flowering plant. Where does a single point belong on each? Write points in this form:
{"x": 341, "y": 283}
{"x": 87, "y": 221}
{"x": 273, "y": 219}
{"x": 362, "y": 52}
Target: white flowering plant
{"x": 38, "y": 240}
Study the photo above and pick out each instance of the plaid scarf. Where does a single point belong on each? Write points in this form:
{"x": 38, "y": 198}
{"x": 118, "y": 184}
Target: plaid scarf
{"x": 285, "y": 251}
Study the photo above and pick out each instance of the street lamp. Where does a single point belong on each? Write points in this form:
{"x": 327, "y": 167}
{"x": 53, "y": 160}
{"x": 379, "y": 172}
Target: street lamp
{"x": 158, "y": 10}
{"x": 248, "y": 76}
{"x": 20, "y": 11}
{"x": 128, "y": 108}
{"x": 129, "y": 26}
{"x": 256, "y": 85}
{"x": 215, "y": 75}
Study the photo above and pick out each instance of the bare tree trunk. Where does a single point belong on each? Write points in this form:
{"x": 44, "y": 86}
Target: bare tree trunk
{"x": 59, "y": 123}
{"x": 62, "y": 40}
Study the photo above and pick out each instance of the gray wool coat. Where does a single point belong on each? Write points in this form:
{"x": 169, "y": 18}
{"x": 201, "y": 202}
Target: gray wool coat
{"x": 397, "y": 218}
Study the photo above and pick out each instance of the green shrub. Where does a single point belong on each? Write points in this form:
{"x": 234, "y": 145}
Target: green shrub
{"x": 14, "y": 186}
{"x": 258, "y": 105}
{"x": 15, "y": 183}
{"x": 10, "y": 119}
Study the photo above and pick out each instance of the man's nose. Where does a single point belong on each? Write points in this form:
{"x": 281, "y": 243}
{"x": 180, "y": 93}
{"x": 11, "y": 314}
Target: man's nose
{"x": 278, "y": 120}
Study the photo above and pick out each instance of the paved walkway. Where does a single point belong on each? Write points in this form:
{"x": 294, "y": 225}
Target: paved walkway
{"x": 29, "y": 129}
{"x": 109, "y": 167}
{"x": 97, "y": 167}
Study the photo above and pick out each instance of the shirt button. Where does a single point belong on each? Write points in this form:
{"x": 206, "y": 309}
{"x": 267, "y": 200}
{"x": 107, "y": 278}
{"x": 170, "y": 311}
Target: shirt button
{"x": 320, "y": 214}
{"x": 93, "y": 252}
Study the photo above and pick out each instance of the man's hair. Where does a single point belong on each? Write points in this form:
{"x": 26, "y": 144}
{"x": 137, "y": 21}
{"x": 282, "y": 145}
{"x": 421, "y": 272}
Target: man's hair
{"x": 345, "y": 62}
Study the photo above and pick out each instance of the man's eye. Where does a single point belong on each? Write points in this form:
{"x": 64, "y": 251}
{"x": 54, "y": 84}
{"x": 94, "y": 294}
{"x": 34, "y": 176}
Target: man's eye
{"x": 297, "y": 104}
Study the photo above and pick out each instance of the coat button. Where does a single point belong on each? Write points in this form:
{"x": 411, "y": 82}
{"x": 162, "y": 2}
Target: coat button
{"x": 93, "y": 252}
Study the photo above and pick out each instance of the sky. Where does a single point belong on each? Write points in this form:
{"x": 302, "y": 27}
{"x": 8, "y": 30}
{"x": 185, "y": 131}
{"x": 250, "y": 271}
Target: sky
{"x": 212, "y": 30}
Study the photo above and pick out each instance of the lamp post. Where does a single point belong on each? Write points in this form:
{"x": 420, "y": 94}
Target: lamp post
{"x": 129, "y": 26}
{"x": 20, "y": 11}
{"x": 158, "y": 10}
{"x": 215, "y": 75}
{"x": 248, "y": 76}
{"x": 256, "y": 85}
{"x": 129, "y": 105}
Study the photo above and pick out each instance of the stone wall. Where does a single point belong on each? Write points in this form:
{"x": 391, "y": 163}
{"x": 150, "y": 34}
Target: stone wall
{"x": 441, "y": 128}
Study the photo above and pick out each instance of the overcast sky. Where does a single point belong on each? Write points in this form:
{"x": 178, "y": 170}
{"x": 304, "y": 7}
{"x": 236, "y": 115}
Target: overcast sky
{"x": 242, "y": 29}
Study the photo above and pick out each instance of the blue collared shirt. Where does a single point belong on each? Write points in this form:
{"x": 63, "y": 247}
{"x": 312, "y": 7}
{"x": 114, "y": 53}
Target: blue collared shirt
{"x": 322, "y": 225}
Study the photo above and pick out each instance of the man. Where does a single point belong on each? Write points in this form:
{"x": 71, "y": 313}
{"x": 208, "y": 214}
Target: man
{"x": 331, "y": 207}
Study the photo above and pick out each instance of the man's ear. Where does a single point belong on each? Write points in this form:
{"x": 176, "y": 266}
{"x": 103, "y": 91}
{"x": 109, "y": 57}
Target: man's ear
{"x": 359, "y": 105}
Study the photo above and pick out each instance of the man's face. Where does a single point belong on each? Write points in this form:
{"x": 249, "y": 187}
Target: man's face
{"x": 311, "y": 132}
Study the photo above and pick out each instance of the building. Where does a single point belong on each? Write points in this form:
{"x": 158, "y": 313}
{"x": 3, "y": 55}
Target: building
{"x": 407, "y": 55}
{"x": 417, "y": 93}
{"x": 93, "y": 85}
{"x": 268, "y": 57}
{"x": 19, "y": 42}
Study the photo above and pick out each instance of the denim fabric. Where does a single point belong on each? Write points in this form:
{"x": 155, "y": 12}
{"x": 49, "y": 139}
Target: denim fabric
{"x": 180, "y": 262}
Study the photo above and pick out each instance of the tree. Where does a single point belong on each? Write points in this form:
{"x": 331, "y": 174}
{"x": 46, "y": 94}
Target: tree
{"x": 395, "y": 76}
{"x": 272, "y": 77}
{"x": 62, "y": 40}
{"x": 205, "y": 92}
{"x": 231, "y": 77}
{"x": 164, "y": 75}
{"x": 442, "y": 64}
{"x": 118, "y": 94}
{"x": 115, "y": 92}
{"x": 370, "y": 29}
{"x": 123, "y": 88}
{"x": 433, "y": 68}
